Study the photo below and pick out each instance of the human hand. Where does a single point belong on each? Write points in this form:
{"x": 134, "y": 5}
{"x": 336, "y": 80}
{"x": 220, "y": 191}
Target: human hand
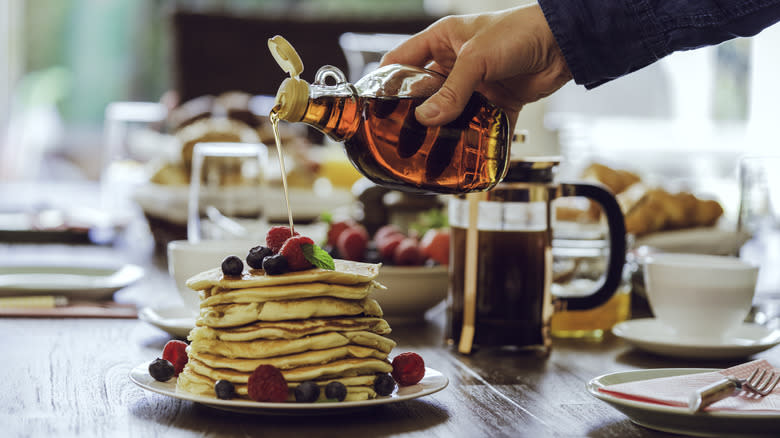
{"x": 509, "y": 56}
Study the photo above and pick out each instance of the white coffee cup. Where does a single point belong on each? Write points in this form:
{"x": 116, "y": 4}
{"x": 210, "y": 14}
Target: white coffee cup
{"x": 699, "y": 296}
{"x": 185, "y": 259}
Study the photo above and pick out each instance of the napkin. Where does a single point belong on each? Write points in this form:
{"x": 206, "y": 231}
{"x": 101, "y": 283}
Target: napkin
{"x": 677, "y": 390}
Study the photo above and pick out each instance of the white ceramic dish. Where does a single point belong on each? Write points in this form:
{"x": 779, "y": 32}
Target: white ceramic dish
{"x": 411, "y": 290}
{"x": 176, "y": 320}
{"x": 186, "y": 259}
{"x": 679, "y": 420}
{"x": 651, "y": 335}
{"x": 75, "y": 282}
{"x": 432, "y": 382}
{"x": 703, "y": 240}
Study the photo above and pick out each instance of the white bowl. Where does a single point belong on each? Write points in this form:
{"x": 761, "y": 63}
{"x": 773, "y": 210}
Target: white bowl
{"x": 699, "y": 296}
{"x": 411, "y": 290}
{"x": 186, "y": 259}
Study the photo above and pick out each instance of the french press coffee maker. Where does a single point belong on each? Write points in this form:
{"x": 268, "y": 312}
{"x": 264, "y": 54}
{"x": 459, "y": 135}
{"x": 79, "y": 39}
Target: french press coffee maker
{"x": 501, "y": 264}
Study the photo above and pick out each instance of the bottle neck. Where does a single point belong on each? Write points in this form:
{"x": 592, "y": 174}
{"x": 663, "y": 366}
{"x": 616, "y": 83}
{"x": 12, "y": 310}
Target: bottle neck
{"x": 336, "y": 114}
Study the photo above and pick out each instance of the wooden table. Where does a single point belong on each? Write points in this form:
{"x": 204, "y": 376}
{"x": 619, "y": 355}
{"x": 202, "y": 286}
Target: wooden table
{"x": 69, "y": 377}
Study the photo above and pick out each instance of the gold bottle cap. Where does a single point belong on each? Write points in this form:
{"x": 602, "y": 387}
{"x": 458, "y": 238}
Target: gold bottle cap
{"x": 293, "y": 95}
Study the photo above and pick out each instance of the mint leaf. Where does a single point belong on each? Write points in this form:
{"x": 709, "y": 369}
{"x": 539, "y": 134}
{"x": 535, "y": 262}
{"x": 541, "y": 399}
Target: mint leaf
{"x": 318, "y": 256}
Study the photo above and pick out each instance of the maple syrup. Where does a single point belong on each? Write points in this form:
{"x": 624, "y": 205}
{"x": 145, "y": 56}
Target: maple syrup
{"x": 275, "y": 125}
{"x": 385, "y": 142}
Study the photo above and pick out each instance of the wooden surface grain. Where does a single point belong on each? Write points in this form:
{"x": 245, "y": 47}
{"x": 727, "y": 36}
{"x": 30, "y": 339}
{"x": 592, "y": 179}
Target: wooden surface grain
{"x": 64, "y": 377}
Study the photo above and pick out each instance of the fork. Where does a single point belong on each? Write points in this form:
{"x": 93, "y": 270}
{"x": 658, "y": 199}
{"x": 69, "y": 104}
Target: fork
{"x": 758, "y": 384}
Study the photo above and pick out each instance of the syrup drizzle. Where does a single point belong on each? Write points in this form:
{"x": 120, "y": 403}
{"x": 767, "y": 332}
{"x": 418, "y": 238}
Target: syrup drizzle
{"x": 274, "y": 116}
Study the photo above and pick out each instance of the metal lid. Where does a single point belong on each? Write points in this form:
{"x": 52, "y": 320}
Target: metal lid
{"x": 532, "y": 169}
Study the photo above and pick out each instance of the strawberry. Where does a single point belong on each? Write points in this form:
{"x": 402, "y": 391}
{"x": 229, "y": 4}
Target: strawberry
{"x": 387, "y": 246}
{"x": 435, "y": 245}
{"x": 175, "y": 352}
{"x": 386, "y": 230}
{"x": 267, "y": 384}
{"x": 407, "y": 253}
{"x": 408, "y": 368}
{"x": 276, "y": 237}
{"x": 336, "y": 228}
{"x": 292, "y": 251}
{"x": 352, "y": 243}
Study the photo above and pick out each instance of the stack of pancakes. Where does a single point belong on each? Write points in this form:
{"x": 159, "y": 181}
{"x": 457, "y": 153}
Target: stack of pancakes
{"x": 314, "y": 325}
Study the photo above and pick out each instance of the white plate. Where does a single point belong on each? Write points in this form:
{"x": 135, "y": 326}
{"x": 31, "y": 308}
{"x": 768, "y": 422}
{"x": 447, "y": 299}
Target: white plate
{"x": 69, "y": 281}
{"x": 679, "y": 420}
{"x": 650, "y": 335}
{"x": 432, "y": 382}
{"x": 177, "y": 320}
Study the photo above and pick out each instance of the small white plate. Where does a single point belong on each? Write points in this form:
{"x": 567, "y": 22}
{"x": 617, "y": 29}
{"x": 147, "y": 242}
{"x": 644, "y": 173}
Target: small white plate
{"x": 432, "y": 382}
{"x": 651, "y": 335}
{"x": 177, "y": 320}
{"x": 70, "y": 281}
{"x": 679, "y": 420}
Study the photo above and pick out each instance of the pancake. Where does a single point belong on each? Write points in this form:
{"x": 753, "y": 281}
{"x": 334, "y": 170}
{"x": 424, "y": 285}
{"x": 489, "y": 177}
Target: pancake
{"x": 230, "y": 315}
{"x": 337, "y": 368}
{"x": 290, "y": 329}
{"x": 358, "y": 387}
{"x": 285, "y": 292}
{"x": 261, "y": 349}
{"x": 306, "y": 358}
{"x": 346, "y": 272}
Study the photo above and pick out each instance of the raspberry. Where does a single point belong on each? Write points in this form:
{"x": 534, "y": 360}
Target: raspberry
{"x": 352, "y": 243}
{"x": 175, "y": 352}
{"x": 266, "y": 384}
{"x": 292, "y": 251}
{"x": 408, "y": 368}
{"x": 276, "y": 237}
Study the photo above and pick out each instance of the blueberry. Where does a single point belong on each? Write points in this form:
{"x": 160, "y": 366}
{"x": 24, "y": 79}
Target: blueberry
{"x": 232, "y": 265}
{"x": 372, "y": 255}
{"x": 336, "y": 390}
{"x": 275, "y": 264}
{"x": 256, "y": 255}
{"x": 384, "y": 384}
{"x": 225, "y": 390}
{"x": 307, "y": 392}
{"x": 161, "y": 370}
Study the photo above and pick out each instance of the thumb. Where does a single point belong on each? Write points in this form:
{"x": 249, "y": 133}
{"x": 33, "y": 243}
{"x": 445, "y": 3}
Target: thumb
{"x": 449, "y": 101}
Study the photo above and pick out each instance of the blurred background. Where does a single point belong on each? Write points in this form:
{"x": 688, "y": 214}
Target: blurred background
{"x": 683, "y": 121}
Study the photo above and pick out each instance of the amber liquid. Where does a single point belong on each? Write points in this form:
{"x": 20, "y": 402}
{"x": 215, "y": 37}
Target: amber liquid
{"x": 511, "y": 292}
{"x": 275, "y": 125}
{"x": 593, "y": 323}
{"x": 387, "y": 144}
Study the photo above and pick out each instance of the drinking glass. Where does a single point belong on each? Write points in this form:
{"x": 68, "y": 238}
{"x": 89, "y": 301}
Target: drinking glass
{"x": 227, "y": 187}
{"x": 131, "y": 137}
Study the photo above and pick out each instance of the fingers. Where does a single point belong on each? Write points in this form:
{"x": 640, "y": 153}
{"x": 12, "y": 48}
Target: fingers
{"x": 414, "y": 51}
{"x": 446, "y": 104}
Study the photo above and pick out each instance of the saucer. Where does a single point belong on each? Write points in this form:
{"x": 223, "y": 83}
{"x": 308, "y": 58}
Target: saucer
{"x": 176, "y": 320}
{"x": 651, "y": 335}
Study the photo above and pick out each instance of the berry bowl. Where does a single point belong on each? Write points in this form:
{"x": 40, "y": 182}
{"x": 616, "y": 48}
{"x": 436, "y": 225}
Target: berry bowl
{"x": 411, "y": 291}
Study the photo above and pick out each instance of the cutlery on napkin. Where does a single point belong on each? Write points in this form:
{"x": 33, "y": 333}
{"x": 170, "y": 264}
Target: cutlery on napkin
{"x": 677, "y": 390}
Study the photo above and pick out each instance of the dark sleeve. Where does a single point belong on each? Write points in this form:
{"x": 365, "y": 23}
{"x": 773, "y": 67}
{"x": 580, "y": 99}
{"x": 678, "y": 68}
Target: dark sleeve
{"x": 605, "y": 39}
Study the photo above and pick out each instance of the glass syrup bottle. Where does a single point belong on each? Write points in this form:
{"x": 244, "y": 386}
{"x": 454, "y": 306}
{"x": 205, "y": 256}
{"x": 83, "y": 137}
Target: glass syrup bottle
{"x": 374, "y": 118}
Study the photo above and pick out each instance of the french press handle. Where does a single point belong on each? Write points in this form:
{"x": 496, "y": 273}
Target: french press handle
{"x": 617, "y": 246}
